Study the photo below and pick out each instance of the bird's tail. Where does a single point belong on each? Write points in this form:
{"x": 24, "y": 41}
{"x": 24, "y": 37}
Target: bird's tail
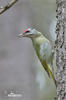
{"x": 51, "y": 75}
{"x": 49, "y": 72}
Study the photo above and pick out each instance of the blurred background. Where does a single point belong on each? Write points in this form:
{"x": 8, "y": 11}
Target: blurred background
{"x": 20, "y": 69}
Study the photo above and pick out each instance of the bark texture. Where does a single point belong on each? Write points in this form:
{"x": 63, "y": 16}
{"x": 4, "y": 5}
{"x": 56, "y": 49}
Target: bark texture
{"x": 61, "y": 49}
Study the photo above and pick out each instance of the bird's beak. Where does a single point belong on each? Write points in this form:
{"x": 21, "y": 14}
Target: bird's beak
{"x": 21, "y": 35}
{"x": 25, "y": 35}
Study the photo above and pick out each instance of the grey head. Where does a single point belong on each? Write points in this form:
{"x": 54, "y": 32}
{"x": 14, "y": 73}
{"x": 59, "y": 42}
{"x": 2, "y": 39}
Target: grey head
{"x": 31, "y": 33}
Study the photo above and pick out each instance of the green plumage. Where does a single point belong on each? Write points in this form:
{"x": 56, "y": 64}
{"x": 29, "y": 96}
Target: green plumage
{"x": 44, "y": 52}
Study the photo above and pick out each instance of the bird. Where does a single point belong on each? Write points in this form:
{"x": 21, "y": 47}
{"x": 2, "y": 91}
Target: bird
{"x": 43, "y": 50}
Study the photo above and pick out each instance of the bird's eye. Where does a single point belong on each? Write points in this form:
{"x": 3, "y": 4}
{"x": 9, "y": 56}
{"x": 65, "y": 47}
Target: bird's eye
{"x": 27, "y": 31}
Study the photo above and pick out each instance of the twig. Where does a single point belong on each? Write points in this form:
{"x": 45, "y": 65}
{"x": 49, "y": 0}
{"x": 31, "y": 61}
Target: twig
{"x": 9, "y": 5}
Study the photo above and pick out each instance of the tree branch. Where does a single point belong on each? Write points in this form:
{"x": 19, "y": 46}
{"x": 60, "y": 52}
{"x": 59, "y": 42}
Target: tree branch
{"x": 9, "y": 5}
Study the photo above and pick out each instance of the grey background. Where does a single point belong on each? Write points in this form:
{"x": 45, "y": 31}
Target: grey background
{"x": 18, "y": 61}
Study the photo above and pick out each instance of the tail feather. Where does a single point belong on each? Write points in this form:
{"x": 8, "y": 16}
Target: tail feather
{"x": 51, "y": 75}
{"x": 49, "y": 72}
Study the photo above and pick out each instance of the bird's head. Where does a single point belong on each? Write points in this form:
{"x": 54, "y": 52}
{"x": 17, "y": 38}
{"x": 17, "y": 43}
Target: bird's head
{"x": 31, "y": 33}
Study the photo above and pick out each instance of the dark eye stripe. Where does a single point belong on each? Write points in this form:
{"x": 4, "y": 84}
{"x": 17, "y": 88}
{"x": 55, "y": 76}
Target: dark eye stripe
{"x": 27, "y": 31}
